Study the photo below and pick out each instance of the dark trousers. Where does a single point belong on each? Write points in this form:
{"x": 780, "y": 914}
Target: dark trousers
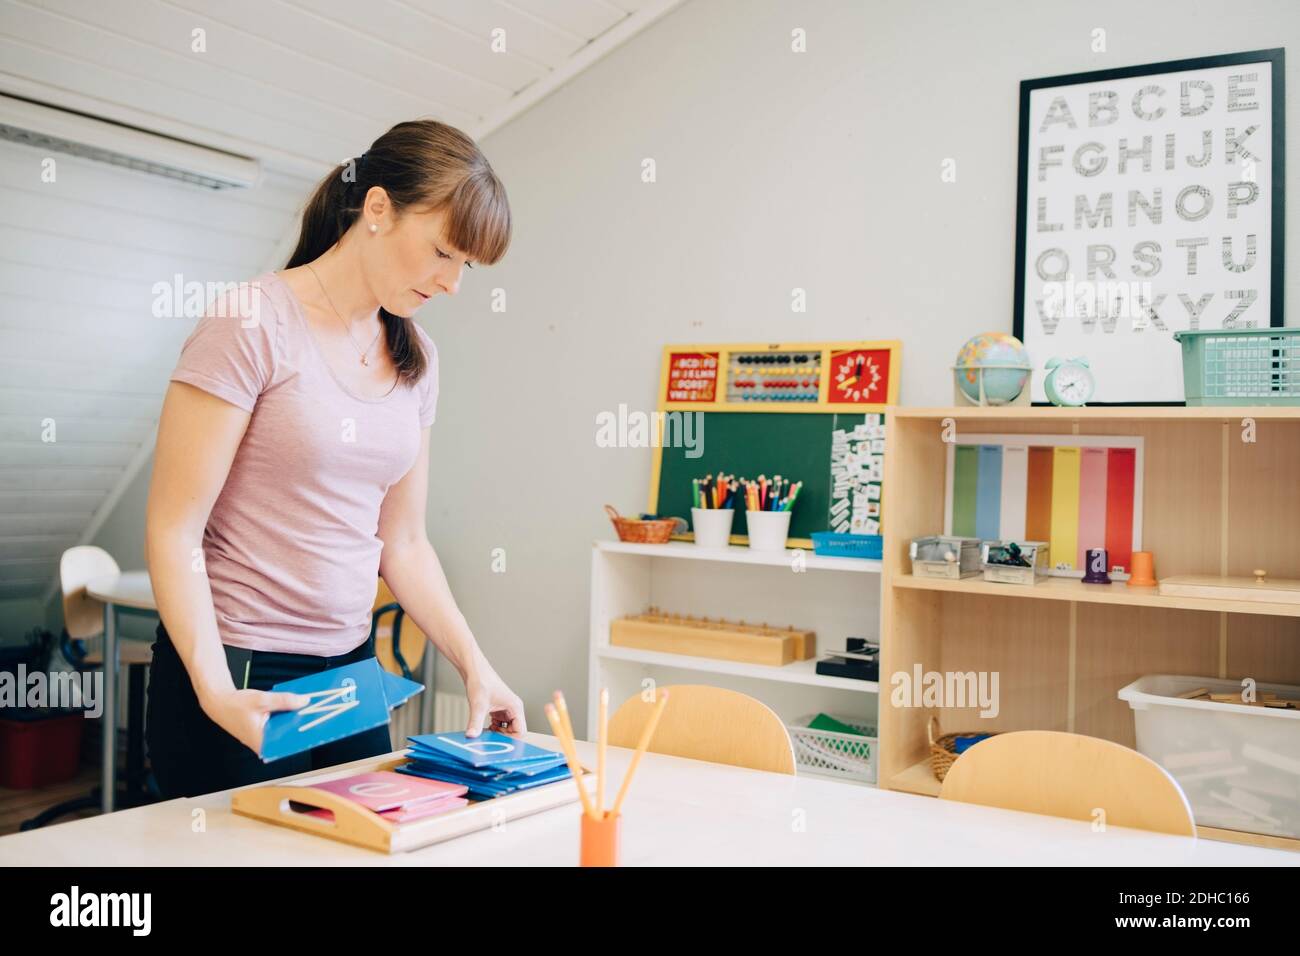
{"x": 191, "y": 755}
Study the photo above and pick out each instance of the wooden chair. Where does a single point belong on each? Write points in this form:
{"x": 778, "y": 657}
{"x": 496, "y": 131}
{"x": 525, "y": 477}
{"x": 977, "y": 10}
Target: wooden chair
{"x": 404, "y": 656}
{"x": 83, "y": 620}
{"x": 1070, "y": 775}
{"x": 400, "y": 647}
{"x": 709, "y": 723}
{"x": 83, "y": 615}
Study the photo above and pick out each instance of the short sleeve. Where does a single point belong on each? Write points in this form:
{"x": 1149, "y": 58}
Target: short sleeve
{"x": 429, "y": 383}
{"x": 232, "y": 351}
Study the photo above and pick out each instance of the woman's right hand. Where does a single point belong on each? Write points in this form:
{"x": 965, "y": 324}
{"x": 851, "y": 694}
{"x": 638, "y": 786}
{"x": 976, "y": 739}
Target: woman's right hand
{"x": 243, "y": 713}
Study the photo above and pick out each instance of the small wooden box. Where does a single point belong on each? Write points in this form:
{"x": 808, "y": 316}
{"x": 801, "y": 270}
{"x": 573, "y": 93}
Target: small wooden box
{"x": 1035, "y": 552}
{"x": 718, "y": 639}
{"x": 355, "y": 824}
{"x": 1258, "y": 589}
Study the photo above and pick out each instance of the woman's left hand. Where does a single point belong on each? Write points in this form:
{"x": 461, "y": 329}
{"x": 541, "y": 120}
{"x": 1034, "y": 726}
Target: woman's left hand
{"x": 489, "y": 695}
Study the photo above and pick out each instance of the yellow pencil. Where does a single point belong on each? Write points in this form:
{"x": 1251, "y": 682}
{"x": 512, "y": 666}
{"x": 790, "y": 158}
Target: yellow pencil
{"x": 602, "y": 740}
{"x": 563, "y": 710}
{"x": 566, "y": 727}
{"x": 641, "y": 745}
{"x": 571, "y": 757}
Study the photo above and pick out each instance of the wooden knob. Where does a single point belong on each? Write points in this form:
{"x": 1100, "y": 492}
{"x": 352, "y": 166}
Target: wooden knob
{"x": 1259, "y": 575}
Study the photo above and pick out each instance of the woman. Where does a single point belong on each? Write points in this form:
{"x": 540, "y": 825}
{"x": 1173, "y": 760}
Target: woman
{"x": 292, "y": 465}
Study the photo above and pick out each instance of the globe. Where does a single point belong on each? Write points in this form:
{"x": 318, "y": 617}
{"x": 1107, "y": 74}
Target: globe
{"x": 1000, "y": 360}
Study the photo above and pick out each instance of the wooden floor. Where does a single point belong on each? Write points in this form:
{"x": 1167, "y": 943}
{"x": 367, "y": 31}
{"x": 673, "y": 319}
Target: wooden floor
{"x": 19, "y": 805}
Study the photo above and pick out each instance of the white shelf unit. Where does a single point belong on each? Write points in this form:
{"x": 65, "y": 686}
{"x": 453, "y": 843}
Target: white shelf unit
{"x": 834, "y": 597}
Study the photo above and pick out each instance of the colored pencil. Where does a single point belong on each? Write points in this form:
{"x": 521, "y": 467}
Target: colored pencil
{"x": 602, "y": 740}
{"x": 646, "y": 733}
{"x": 570, "y": 756}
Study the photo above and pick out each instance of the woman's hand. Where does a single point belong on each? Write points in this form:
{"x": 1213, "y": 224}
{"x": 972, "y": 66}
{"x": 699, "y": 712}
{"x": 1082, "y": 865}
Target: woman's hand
{"x": 488, "y": 694}
{"x": 243, "y": 713}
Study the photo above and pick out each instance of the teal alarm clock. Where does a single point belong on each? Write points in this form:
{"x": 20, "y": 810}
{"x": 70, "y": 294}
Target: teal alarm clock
{"x": 1069, "y": 382}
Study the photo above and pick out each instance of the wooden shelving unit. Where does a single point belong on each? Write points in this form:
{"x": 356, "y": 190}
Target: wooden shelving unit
{"x": 835, "y": 597}
{"x": 1212, "y": 504}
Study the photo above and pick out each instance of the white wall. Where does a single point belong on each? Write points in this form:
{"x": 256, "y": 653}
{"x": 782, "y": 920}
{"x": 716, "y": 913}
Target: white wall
{"x": 775, "y": 171}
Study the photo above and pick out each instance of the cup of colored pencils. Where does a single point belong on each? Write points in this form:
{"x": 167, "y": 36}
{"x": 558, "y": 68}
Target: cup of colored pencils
{"x": 600, "y": 827}
{"x": 768, "y": 506}
{"x": 770, "y": 494}
{"x": 713, "y": 500}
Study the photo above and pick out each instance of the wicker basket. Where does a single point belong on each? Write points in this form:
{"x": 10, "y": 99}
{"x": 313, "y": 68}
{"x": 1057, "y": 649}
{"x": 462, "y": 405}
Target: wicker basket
{"x": 656, "y": 531}
{"x": 942, "y": 752}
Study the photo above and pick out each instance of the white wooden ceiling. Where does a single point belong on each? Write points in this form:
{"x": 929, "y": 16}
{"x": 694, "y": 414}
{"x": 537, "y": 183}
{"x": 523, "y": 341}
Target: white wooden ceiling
{"x": 298, "y": 84}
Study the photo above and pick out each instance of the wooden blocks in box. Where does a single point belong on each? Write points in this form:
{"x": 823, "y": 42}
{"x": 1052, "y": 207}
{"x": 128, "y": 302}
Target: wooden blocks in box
{"x": 717, "y": 638}
{"x": 1014, "y": 562}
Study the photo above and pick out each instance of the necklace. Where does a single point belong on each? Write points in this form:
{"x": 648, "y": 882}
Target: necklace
{"x": 347, "y": 328}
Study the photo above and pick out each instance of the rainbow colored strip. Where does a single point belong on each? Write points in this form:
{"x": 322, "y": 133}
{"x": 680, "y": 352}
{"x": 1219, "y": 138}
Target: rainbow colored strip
{"x": 1073, "y": 497}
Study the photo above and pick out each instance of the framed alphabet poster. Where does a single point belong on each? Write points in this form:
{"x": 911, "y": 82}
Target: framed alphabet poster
{"x": 1150, "y": 201}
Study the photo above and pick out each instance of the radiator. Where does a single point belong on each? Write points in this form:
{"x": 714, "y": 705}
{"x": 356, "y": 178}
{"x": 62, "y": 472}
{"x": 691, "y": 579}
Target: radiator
{"x": 450, "y": 712}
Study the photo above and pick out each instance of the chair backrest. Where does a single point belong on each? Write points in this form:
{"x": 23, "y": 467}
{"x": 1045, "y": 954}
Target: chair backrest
{"x": 83, "y": 616}
{"x": 1070, "y": 775}
{"x": 709, "y": 723}
{"x": 412, "y": 640}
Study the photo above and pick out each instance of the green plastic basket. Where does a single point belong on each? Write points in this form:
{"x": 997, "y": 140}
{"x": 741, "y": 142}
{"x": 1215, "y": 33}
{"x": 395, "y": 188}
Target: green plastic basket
{"x": 1241, "y": 366}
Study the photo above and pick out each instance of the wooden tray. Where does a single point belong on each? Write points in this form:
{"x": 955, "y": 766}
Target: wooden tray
{"x": 355, "y": 824}
{"x": 718, "y": 639}
{"x": 1260, "y": 588}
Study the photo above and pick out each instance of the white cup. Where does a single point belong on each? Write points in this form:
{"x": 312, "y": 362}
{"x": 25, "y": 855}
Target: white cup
{"x": 768, "y": 529}
{"x": 712, "y": 526}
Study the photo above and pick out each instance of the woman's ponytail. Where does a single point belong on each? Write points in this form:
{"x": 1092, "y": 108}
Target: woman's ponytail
{"x": 423, "y": 164}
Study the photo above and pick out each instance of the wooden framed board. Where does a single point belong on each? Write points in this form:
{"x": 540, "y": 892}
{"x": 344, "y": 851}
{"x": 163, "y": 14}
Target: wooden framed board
{"x": 1073, "y": 491}
{"x": 787, "y": 408}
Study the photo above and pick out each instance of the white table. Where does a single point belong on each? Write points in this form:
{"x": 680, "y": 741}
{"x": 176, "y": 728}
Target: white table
{"x": 130, "y": 589}
{"x": 678, "y": 812}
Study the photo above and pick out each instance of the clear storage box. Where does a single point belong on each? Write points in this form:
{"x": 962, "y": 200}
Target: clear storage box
{"x": 1238, "y": 764}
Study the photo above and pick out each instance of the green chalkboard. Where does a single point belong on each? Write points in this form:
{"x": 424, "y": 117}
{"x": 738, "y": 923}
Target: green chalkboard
{"x": 795, "y": 445}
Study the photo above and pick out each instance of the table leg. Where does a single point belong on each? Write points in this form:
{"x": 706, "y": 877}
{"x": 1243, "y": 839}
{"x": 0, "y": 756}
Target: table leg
{"x": 109, "y": 781}
{"x": 135, "y": 786}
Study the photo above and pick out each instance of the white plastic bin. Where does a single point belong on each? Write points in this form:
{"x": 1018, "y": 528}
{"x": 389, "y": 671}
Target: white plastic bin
{"x": 1238, "y": 764}
{"x": 831, "y": 754}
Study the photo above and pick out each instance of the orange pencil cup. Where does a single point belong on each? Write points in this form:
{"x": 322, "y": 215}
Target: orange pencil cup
{"x": 1143, "y": 570}
{"x": 600, "y": 839}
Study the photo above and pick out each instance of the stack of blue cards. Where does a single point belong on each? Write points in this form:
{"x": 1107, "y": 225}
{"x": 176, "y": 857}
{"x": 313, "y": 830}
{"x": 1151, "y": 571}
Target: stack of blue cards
{"x": 490, "y": 765}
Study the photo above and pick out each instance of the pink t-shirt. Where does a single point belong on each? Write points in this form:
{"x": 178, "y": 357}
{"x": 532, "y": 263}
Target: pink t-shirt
{"x": 291, "y": 548}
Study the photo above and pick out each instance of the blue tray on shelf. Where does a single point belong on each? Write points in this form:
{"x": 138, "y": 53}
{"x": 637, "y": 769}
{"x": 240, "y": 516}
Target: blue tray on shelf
{"x": 834, "y": 544}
